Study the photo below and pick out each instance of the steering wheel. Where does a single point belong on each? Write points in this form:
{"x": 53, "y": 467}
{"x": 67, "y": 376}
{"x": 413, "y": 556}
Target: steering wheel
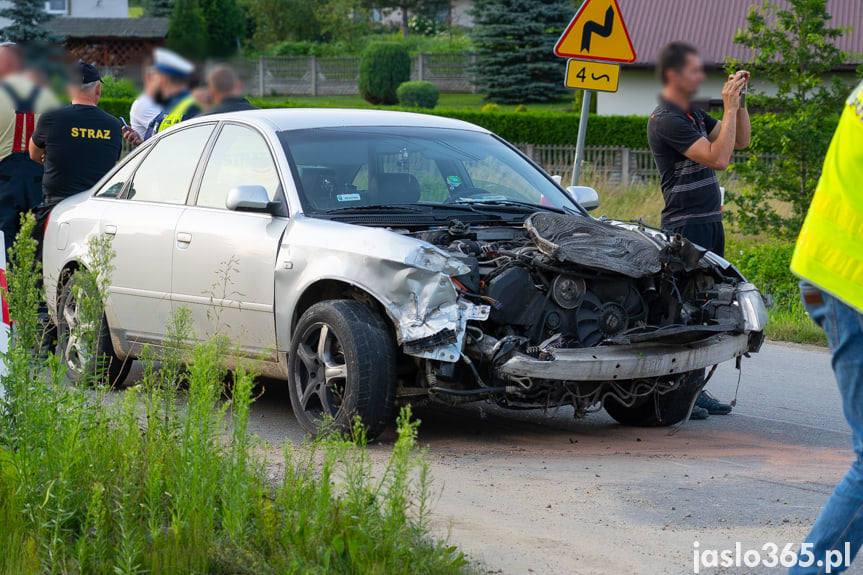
{"x": 466, "y": 193}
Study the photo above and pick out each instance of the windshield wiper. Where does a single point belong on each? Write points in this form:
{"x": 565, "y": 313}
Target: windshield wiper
{"x": 508, "y": 203}
{"x": 398, "y": 208}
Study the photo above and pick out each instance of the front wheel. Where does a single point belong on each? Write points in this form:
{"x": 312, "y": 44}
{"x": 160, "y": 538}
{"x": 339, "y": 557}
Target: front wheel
{"x": 84, "y": 340}
{"x": 658, "y": 410}
{"x": 342, "y": 365}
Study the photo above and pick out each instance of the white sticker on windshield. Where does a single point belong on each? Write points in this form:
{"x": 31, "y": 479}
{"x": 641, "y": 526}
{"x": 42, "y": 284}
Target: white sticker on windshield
{"x": 348, "y": 197}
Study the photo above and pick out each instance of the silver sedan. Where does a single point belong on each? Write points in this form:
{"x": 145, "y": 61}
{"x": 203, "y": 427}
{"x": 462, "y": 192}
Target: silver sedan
{"x": 368, "y": 258}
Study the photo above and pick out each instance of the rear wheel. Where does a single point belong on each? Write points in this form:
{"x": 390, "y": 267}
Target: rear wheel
{"x": 342, "y": 365}
{"x": 657, "y": 410}
{"x": 84, "y": 343}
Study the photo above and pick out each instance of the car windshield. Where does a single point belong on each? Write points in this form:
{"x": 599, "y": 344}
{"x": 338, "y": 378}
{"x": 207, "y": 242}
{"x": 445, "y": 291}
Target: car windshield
{"x": 357, "y": 168}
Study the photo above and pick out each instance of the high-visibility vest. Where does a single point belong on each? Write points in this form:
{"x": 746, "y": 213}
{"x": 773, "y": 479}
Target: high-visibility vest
{"x": 175, "y": 115}
{"x": 829, "y": 251}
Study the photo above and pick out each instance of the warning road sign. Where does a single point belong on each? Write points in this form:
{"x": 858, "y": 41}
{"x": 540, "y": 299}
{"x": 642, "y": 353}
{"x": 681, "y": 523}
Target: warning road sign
{"x": 597, "y": 33}
{"x": 592, "y": 75}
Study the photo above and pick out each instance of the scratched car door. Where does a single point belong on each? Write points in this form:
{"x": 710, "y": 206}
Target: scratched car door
{"x": 223, "y": 259}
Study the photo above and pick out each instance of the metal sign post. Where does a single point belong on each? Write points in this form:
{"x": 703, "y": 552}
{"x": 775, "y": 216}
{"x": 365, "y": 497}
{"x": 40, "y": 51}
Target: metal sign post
{"x": 582, "y": 132}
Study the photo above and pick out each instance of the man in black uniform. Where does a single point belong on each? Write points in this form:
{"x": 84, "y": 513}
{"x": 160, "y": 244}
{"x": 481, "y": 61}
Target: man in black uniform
{"x": 79, "y": 143}
{"x": 688, "y": 145}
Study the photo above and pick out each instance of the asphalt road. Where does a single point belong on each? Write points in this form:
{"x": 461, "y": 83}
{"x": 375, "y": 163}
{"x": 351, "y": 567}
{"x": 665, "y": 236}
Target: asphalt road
{"x": 529, "y": 492}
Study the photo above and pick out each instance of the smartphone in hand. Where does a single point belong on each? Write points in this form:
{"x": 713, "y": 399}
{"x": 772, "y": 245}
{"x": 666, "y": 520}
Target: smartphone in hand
{"x": 125, "y": 125}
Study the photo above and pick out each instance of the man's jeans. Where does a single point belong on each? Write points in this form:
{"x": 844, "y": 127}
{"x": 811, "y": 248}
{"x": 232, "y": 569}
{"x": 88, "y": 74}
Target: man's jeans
{"x": 841, "y": 520}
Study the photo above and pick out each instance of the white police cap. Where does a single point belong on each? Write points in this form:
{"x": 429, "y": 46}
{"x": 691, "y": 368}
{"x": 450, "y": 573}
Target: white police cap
{"x": 171, "y": 63}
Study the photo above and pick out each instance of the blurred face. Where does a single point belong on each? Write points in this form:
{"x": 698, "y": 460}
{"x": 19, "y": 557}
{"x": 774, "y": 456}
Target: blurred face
{"x": 688, "y": 80}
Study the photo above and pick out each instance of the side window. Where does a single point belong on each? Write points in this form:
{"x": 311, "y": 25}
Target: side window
{"x": 166, "y": 173}
{"x": 239, "y": 158}
{"x": 114, "y": 186}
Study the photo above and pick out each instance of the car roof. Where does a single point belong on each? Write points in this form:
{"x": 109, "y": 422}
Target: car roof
{"x": 284, "y": 119}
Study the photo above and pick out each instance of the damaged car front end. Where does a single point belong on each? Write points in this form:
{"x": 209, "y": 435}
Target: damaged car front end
{"x": 496, "y": 285}
{"x": 591, "y": 313}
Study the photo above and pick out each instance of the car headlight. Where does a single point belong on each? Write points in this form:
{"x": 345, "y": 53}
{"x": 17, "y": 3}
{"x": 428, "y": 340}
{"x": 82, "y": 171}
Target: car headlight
{"x": 752, "y": 304}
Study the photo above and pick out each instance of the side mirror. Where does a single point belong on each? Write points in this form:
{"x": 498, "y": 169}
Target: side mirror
{"x": 587, "y": 197}
{"x": 250, "y": 199}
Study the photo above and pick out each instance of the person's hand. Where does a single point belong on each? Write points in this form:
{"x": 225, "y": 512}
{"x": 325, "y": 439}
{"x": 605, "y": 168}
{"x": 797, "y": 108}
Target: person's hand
{"x": 131, "y": 136}
{"x": 733, "y": 87}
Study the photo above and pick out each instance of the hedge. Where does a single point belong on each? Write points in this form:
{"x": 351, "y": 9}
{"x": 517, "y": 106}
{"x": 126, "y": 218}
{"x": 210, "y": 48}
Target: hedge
{"x": 540, "y": 128}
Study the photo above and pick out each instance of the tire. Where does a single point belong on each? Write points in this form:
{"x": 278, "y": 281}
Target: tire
{"x": 659, "y": 410}
{"x": 356, "y": 351}
{"x": 83, "y": 366}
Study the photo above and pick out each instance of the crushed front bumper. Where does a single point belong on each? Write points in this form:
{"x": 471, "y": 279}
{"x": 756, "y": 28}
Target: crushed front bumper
{"x": 624, "y": 362}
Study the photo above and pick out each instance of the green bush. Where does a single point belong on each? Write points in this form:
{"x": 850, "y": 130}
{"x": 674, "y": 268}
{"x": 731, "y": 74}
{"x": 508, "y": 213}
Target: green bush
{"x": 383, "y": 67}
{"x": 768, "y": 267}
{"x": 117, "y": 107}
{"x": 418, "y": 95}
{"x": 114, "y": 88}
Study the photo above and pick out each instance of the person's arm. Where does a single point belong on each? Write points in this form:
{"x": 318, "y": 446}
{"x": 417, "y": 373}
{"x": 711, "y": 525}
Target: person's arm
{"x": 715, "y": 152}
{"x": 37, "y": 154}
{"x": 38, "y": 141}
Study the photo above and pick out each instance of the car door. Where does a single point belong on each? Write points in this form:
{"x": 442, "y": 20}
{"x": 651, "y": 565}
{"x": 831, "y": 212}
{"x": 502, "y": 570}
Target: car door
{"x": 142, "y": 224}
{"x": 224, "y": 260}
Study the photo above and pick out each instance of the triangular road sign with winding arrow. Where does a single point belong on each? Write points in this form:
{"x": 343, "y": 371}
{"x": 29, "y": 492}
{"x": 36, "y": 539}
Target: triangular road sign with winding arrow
{"x": 597, "y": 33}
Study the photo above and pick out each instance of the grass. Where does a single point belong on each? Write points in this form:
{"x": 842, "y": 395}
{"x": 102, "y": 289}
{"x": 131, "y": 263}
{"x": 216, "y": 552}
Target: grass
{"x": 164, "y": 478}
{"x": 446, "y": 102}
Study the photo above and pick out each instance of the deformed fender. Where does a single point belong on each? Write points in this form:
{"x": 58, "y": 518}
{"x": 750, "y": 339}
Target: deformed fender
{"x": 408, "y": 277}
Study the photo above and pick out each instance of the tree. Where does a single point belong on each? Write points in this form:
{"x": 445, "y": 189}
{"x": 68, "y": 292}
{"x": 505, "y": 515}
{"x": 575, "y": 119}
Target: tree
{"x": 795, "y": 51}
{"x": 278, "y": 20}
{"x": 339, "y": 21}
{"x": 224, "y": 25}
{"x": 515, "y": 41}
{"x": 188, "y": 31}
{"x": 28, "y": 17}
{"x": 158, "y": 8}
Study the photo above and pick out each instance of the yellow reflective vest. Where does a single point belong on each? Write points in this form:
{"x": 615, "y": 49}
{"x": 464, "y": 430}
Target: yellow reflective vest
{"x": 829, "y": 251}
{"x": 175, "y": 115}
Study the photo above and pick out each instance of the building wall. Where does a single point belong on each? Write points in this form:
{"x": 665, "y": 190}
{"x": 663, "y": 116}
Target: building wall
{"x": 99, "y": 8}
{"x": 85, "y": 9}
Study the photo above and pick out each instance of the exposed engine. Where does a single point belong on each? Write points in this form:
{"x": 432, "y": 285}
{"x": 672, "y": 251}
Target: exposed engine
{"x": 541, "y": 296}
{"x": 564, "y": 282}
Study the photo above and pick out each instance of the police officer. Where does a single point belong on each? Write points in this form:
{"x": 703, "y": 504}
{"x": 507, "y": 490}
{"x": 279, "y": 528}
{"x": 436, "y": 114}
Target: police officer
{"x": 173, "y": 82}
{"x": 21, "y": 103}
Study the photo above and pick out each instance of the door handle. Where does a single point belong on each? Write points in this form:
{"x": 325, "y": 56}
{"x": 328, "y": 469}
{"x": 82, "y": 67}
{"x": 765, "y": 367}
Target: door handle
{"x": 184, "y": 237}
{"x": 110, "y": 230}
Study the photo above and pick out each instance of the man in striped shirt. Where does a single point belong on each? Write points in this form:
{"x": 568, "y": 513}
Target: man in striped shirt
{"x": 688, "y": 145}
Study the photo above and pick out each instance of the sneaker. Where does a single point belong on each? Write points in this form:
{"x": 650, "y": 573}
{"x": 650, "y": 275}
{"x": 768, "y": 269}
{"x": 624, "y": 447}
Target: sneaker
{"x": 712, "y": 405}
{"x": 699, "y": 413}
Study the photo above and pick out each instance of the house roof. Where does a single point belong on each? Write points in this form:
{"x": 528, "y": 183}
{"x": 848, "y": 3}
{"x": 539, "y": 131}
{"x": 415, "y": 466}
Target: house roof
{"x": 711, "y": 25}
{"x": 72, "y": 27}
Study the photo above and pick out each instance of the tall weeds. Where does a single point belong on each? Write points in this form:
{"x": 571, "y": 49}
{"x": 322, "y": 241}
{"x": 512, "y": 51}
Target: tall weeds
{"x": 164, "y": 481}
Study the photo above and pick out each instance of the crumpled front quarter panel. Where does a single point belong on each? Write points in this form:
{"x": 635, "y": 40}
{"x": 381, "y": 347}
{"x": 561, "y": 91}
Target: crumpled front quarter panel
{"x": 408, "y": 277}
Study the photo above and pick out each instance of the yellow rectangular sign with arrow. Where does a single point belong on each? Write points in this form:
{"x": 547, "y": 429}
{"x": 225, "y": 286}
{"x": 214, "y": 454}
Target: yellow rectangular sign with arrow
{"x": 597, "y": 76}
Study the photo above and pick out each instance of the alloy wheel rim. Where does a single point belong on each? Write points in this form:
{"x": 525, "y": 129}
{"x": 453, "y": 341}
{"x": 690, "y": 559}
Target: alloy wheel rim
{"x": 321, "y": 372}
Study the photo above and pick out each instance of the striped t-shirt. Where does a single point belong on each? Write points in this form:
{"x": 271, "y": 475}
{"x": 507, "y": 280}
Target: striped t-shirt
{"x": 690, "y": 190}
